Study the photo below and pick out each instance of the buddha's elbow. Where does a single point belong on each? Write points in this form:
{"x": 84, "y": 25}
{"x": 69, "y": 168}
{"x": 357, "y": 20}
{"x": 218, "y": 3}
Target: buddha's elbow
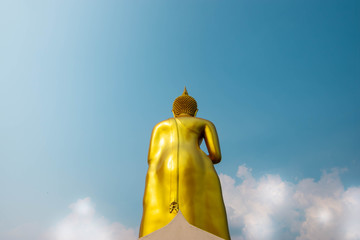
{"x": 215, "y": 158}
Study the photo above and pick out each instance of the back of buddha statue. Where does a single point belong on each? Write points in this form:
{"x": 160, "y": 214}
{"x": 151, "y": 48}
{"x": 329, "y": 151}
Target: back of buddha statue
{"x": 193, "y": 130}
{"x": 190, "y": 129}
{"x": 181, "y": 176}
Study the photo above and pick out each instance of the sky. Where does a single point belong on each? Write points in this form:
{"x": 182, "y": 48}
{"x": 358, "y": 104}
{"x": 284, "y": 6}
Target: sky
{"x": 82, "y": 83}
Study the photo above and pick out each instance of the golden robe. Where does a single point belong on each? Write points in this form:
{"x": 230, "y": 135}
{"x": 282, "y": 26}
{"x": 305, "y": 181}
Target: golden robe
{"x": 180, "y": 171}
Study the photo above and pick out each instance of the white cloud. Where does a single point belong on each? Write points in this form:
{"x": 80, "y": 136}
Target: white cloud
{"x": 83, "y": 223}
{"x": 271, "y": 208}
{"x": 265, "y": 208}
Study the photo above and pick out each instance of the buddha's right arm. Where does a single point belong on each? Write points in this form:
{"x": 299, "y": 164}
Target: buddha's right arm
{"x": 212, "y": 142}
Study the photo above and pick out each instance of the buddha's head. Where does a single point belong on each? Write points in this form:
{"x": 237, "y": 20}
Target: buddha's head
{"x": 185, "y": 104}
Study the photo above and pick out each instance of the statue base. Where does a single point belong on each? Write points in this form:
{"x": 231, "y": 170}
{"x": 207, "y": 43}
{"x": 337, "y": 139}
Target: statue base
{"x": 180, "y": 229}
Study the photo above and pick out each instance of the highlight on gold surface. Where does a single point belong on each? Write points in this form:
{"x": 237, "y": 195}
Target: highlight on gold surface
{"x": 181, "y": 176}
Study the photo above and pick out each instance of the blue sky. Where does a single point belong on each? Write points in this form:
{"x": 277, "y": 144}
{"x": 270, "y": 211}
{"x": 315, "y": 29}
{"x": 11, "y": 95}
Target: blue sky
{"x": 82, "y": 83}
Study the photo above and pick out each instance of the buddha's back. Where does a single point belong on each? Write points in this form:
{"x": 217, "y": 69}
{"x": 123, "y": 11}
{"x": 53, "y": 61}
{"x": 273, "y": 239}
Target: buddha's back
{"x": 181, "y": 176}
{"x": 180, "y": 171}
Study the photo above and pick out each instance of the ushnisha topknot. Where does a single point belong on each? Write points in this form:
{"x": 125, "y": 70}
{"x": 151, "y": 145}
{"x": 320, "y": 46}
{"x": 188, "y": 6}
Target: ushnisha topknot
{"x": 184, "y": 104}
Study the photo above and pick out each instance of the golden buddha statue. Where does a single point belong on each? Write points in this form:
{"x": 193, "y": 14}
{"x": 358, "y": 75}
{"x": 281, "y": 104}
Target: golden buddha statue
{"x": 181, "y": 176}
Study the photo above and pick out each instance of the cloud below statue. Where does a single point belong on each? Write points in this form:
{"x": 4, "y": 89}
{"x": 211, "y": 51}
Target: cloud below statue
{"x": 271, "y": 208}
{"x": 258, "y": 208}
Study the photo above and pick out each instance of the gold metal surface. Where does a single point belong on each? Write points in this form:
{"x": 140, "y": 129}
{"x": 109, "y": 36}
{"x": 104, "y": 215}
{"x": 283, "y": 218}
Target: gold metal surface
{"x": 181, "y": 176}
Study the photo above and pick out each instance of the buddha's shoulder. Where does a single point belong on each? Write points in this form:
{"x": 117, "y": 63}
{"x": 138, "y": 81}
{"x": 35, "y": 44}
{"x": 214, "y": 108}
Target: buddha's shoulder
{"x": 164, "y": 124}
{"x": 203, "y": 121}
{"x": 195, "y": 121}
{"x": 169, "y": 122}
